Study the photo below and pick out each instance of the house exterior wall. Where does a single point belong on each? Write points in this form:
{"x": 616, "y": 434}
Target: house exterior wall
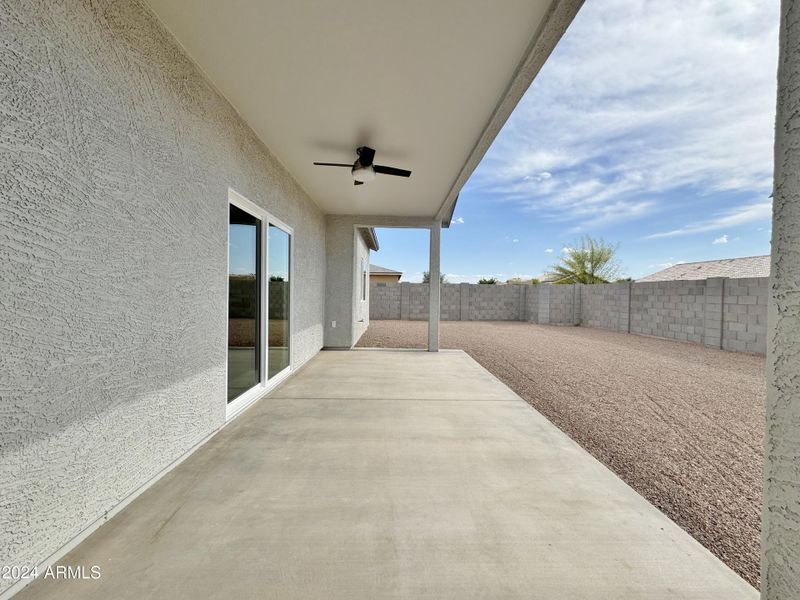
{"x": 341, "y": 280}
{"x": 780, "y": 544}
{"x": 116, "y": 157}
{"x": 361, "y": 304}
{"x": 381, "y": 278}
{"x": 339, "y": 289}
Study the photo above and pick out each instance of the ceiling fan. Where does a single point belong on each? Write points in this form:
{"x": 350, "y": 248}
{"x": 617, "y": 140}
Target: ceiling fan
{"x": 363, "y": 170}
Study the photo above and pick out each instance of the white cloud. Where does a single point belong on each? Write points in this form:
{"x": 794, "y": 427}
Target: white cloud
{"x": 549, "y": 250}
{"x": 730, "y": 218}
{"x": 515, "y": 240}
{"x": 566, "y": 249}
{"x": 458, "y": 221}
{"x": 723, "y": 239}
{"x": 639, "y": 99}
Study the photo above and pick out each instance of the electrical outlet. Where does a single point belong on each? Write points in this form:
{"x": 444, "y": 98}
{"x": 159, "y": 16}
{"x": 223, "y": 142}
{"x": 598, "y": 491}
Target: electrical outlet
{"x": 333, "y": 324}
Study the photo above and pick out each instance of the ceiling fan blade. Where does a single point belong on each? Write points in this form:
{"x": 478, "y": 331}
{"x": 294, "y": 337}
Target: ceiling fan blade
{"x": 319, "y": 164}
{"x": 391, "y": 171}
{"x": 358, "y": 183}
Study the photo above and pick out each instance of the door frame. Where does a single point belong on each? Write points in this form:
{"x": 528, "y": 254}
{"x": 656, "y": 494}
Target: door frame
{"x": 246, "y": 399}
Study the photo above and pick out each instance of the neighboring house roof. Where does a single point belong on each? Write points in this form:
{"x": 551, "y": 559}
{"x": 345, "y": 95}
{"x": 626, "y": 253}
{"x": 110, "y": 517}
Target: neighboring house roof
{"x": 747, "y": 266}
{"x": 378, "y": 270}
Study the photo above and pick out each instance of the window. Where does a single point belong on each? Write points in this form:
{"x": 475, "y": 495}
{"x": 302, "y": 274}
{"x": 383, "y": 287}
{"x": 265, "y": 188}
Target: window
{"x": 244, "y": 302}
{"x": 278, "y": 246}
{"x": 259, "y": 302}
{"x": 363, "y": 280}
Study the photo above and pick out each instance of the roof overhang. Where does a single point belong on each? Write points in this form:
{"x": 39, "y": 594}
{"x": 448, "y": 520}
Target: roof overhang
{"x": 427, "y": 84}
{"x": 370, "y": 238}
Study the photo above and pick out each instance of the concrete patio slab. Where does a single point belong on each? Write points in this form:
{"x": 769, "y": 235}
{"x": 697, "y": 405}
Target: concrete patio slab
{"x": 393, "y": 474}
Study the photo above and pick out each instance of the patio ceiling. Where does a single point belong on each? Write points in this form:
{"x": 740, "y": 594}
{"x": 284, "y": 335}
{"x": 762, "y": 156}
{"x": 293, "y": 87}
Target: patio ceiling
{"x": 427, "y": 84}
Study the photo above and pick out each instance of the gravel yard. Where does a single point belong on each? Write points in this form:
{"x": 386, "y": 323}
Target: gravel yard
{"x": 680, "y": 423}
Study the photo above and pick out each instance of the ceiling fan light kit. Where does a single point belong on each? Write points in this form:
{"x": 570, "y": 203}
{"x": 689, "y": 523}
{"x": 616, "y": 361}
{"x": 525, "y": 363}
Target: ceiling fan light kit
{"x": 363, "y": 170}
{"x": 363, "y": 174}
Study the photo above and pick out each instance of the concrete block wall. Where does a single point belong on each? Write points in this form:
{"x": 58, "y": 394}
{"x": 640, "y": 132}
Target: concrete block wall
{"x": 719, "y": 312}
{"x": 384, "y": 301}
{"x": 459, "y": 302}
{"x": 669, "y": 309}
{"x": 744, "y": 315}
{"x": 606, "y": 306}
{"x": 495, "y": 303}
{"x": 450, "y": 302}
{"x": 532, "y": 303}
{"x": 417, "y": 301}
{"x": 564, "y": 304}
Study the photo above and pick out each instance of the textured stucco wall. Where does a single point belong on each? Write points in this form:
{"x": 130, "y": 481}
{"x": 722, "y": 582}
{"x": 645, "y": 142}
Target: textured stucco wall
{"x": 780, "y": 565}
{"x": 115, "y": 162}
{"x": 360, "y": 307}
{"x": 339, "y": 292}
{"x": 341, "y": 279}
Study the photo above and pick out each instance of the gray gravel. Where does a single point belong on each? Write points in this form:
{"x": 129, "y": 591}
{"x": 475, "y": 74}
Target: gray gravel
{"x": 680, "y": 423}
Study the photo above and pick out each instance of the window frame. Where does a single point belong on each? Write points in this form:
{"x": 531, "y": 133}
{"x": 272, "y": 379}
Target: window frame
{"x": 245, "y": 400}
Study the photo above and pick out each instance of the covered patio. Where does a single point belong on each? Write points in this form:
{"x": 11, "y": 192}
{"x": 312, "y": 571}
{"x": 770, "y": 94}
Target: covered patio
{"x": 392, "y": 473}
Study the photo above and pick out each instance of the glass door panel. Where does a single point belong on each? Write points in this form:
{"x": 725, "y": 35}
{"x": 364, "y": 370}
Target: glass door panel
{"x": 278, "y": 244}
{"x": 244, "y": 300}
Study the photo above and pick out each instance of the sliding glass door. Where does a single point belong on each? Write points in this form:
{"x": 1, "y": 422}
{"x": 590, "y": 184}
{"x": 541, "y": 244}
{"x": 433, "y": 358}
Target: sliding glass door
{"x": 279, "y": 244}
{"x": 244, "y": 302}
{"x": 259, "y": 301}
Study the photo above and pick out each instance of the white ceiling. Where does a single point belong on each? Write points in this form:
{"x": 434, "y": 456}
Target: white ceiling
{"x": 418, "y": 81}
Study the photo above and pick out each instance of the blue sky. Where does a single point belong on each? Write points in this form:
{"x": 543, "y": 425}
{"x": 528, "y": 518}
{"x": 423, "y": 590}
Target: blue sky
{"x": 651, "y": 126}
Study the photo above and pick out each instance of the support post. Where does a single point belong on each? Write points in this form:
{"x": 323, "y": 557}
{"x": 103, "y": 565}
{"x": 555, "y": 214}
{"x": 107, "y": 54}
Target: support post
{"x": 780, "y": 546}
{"x": 434, "y": 287}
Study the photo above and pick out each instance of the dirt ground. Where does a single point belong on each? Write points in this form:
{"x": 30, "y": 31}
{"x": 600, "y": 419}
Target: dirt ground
{"x": 680, "y": 423}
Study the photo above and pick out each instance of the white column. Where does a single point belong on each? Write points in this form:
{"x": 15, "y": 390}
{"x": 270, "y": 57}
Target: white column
{"x": 780, "y": 537}
{"x": 434, "y": 296}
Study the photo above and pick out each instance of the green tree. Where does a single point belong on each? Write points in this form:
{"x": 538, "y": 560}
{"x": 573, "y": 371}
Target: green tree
{"x": 535, "y": 281}
{"x": 591, "y": 261}
{"x": 487, "y": 281}
{"x": 426, "y": 277}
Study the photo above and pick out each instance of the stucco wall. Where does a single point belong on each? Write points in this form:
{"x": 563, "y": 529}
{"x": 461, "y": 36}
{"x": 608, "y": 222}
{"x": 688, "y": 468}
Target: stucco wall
{"x": 115, "y": 162}
{"x": 339, "y": 292}
{"x": 360, "y": 307}
{"x": 780, "y": 565}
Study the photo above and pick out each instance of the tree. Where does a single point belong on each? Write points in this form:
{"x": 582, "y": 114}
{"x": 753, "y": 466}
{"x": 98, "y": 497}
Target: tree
{"x": 535, "y": 281}
{"x": 593, "y": 261}
{"x": 426, "y": 277}
{"x": 487, "y": 281}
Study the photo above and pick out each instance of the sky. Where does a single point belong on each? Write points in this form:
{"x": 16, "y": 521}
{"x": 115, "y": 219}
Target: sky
{"x": 651, "y": 126}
